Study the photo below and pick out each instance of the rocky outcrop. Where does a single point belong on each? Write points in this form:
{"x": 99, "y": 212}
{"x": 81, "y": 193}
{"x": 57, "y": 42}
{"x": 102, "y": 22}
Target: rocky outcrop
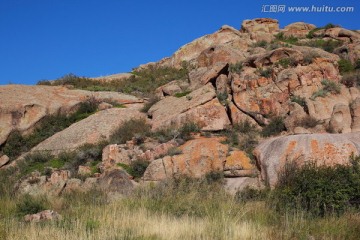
{"x": 340, "y": 121}
{"x": 126, "y": 153}
{"x": 329, "y": 149}
{"x": 199, "y": 106}
{"x": 4, "y": 160}
{"x": 226, "y": 36}
{"x": 22, "y": 107}
{"x": 200, "y": 156}
{"x": 298, "y": 29}
{"x": 93, "y": 129}
{"x": 261, "y": 29}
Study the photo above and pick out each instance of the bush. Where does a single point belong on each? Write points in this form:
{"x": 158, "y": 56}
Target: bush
{"x": 265, "y": 72}
{"x": 182, "y": 94}
{"x": 222, "y": 97}
{"x": 260, "y": 44}
{"x": 236, "y": 67}
{"x": 17, "y": 144}
{"x": 281, "y": 37}
{"x": 320, "y": 93}
{"x": 251, "y": 194}
{"x": 331, "y": 86}
{"x": 351, "y": 79}
{"x": 287, "y": 62}
{"x": 319, "y": 190}
{"x": 327, "y": 45}
{"x": 214, "y": 177}
{"x": 30, "y": 205}
{"x": 130, "y": 129}
{"x": 301, "y": 101}
{"x": 345, "y": 66}
{"x": 187, "y": 129}
{"x": 136, "y": 168}
{"x": 275, "y": 127}
{"x": 309, "y": 57}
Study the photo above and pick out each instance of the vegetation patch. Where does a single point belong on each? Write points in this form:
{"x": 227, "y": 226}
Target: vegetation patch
{"x": 275, "y": 127}
{"x": 17, "y": 144}
{"x": 319, "y": 190}
{"x": 137, "y": 128}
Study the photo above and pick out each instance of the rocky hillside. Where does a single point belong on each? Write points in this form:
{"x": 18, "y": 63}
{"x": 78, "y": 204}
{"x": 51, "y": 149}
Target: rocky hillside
{"x": 234, "y": 103}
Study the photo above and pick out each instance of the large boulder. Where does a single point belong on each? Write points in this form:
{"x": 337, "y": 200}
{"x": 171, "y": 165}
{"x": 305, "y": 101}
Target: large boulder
{"x": 261, "y": 29}
{"x": 298, "y": 29}
{"x": 273, "y": 154}
{"x": 200, "y": 156}
{"x": 22, "y": 107}
{"x": 95, "y": 128}
{"x": 226, "y": 36}
{"x": 199, "y": 106}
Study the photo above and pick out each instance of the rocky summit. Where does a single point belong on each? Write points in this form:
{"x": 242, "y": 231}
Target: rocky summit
{"x": 240, "y": 103}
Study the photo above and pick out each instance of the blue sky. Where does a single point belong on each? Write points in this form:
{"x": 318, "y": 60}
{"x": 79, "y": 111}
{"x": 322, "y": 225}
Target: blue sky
{"x": 46, "y": 39}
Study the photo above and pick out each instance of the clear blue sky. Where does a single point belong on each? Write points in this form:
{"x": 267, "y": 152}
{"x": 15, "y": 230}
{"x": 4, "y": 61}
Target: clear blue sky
{"x": 46, "y": 39}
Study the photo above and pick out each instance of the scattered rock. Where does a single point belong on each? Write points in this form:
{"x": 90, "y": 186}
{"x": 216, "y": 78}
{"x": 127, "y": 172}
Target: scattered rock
{"x": 46, "y": 215}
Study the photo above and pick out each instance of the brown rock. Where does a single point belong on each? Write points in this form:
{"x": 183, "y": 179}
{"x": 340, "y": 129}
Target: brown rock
{"x": 115, "y": 180}
{"x": 199, "y": 156}
{"x": 199, "y": 107}
{"x": 340, "y": 120}
{"x": 234, "y": 185}
{"x": 220, "y": 54}
{"x": 261, "y": 29}
{"x": 104, "y": 106}
{"x": 202, "y": 76}
{"x": 222, "y": 84}
{"x": 4, "y": 160}
{"x": 93, "y": 129}
{"x": 46, "y": 215}
{"x": 298, "y": 29}
{"x": 226, "y": 36}
{"x": 24, "y": 106}
{"x": 355, "y": 110}
{"x": 328, "y": 149}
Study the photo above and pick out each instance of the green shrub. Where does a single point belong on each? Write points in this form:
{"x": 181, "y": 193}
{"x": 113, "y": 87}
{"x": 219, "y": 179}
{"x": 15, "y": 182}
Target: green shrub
{"x": 265, "y": 72}
{"x": 251, "y": 194}
{"x": 136, "y": 168}
{"x": 290, "y": 39}
{"x": 143, "y": 82}
{"x": 327, "y": 45}
{"x": 287, "y": 62}
{"x": 331, "y": 86}
{"x": 130, "y": 129}
{"x": 214, "y": 177}
{"x": 30, "y": 205}
{"x": 260, "y": 44}
{"x": 299, "y": 100}
{"x": 245, "y": 127}
{"x": 222, "y": 97}
{"x": 236, "y": 67}
{"x": 345, "y": 66}
{"x": 275, "y": 127}
{"x": 351, "y": 79}
{"x": 17, "y": 144}
{"x": 182, "y": 94}
{"x": 319, "y": 190}
{"x": 320, "y": 93}
{"x": 187, "y": 129}
{"x": 309, "y": 57}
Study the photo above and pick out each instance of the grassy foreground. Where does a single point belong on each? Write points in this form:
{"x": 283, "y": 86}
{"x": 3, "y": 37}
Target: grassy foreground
{"x": 171, "y": 210}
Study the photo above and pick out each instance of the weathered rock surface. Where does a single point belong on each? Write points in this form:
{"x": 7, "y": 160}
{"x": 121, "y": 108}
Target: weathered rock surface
{"x": 200, "y": 156}
{"x": 261, "y": 29}
{"x": 340, "y": 120}
{"x": 23, "y": 106}
{"x": 93, "y": 129}
{"x": 226, "y": 36}
{"x": 4, "y": 160}
{"x": 355, "y": 110}
{"x": 199, "y": 106}
{"x": 298, "y": 29}
{"x": 46, "y": 215}
{"x": 328, "y": 149}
